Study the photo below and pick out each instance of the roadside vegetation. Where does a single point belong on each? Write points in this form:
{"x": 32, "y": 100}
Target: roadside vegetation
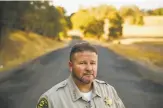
{"x": 29, "y": 29}
{"x": 102, "y": 24}
{"x": 148, "y": 53}
{"x": 22, "y": 47}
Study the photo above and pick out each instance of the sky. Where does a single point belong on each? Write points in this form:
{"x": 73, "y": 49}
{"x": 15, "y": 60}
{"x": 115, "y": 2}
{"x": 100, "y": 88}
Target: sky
{"x": 73, "y": 5}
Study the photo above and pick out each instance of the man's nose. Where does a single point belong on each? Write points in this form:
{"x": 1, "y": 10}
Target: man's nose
{"x": 89, "y": 67}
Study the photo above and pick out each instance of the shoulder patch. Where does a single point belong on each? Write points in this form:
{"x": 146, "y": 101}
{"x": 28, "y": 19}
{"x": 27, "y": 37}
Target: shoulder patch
{"x": 43, "y": 103}
{"x": 62, "y": 84}
{"x": 100, "y": 81}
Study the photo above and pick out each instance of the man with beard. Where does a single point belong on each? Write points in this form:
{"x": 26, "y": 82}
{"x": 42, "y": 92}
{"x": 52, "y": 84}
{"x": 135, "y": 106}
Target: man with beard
{"x": 81, "y": 89}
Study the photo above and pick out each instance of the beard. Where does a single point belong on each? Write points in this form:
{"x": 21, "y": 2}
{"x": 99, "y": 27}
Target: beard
{"x": 82, "y": 79}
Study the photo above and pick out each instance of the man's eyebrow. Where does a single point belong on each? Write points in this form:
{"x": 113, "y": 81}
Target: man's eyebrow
{"x": 93, "y": 61}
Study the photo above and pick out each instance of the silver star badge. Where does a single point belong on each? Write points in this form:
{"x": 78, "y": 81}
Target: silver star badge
{"x": 108, "y": 101}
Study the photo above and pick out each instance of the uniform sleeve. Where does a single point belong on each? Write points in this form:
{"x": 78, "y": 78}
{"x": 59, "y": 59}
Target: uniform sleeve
{"x": 44, "y": 102}
{"x": 118, "y": 101}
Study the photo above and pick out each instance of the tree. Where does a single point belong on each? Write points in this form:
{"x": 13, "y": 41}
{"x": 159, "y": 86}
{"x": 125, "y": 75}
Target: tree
{"x": 81, "y": 19}
{"x": 34, "y": 16}
{"x": 69, "y": 23}
{"x": 116, "y": 22}
{"x": 158, "y": 11}
{"x": 101, "y": 12}
{"x": 95, "y": 28}
{"x": 133, "y": 13}
{"x": 91, "y": 20}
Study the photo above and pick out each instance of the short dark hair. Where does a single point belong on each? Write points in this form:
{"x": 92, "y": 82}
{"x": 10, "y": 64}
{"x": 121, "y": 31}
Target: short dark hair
{"x": 81, "y": 47}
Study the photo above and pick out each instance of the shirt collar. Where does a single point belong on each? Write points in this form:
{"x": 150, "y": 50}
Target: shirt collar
{"x": 75, "y": 92}
{"x": 96, "y": 89}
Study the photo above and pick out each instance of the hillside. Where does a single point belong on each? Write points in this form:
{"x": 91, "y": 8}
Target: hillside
{"x": 20, "y": 47}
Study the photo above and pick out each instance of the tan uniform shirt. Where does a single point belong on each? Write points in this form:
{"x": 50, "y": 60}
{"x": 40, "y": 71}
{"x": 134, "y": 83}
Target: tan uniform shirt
{"x": 67, "y": 95}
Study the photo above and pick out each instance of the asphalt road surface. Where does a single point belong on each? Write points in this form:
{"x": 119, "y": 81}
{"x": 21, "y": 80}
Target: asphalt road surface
{"x": 22, "y": 87}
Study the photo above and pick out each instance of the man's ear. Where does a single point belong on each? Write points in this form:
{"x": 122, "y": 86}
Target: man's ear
{"x": 70, "y": 66}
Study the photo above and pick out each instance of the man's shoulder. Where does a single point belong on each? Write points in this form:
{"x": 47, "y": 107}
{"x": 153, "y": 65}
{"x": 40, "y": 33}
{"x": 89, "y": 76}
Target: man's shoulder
{"x": 56, "y": 88}
{"x": 100, "y": 81}
{"x": 60, "y": 85}
{"x": 103, "y": 83}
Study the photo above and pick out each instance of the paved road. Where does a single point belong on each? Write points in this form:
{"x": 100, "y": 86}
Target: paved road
{"x": 22, "y": 88}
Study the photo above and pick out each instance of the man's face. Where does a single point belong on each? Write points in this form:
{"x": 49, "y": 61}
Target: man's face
{"x": 84, "y": 66}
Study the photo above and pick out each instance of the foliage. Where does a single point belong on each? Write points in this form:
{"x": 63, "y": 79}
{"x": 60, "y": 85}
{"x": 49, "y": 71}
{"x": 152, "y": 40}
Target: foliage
{"x": 133, "y": 13}
{"x": 115, "y": 25}
{"x": 34, "y": 16}
{"x": 81, "y": 19}
{"x": 157, "y": 11}
{"x": 95, "y": 28}
{"x": 103, "y": 11}
{"x": 91, "y": 20}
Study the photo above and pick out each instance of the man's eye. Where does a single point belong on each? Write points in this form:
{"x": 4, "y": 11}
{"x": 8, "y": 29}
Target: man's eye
{"x": 93, "y": 63}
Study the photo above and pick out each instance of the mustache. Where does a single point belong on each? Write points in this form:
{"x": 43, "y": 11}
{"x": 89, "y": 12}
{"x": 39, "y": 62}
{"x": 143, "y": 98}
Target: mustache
{"x": 88, "y": 73}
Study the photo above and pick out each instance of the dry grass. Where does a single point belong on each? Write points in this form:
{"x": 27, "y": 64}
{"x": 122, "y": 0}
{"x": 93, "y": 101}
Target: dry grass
{"x": 149, "y": 53}
{"x": 153, "y": 27}
{"x": 20, "y": 47}
{"x": 139, "y": 53}
{"x": 153, "y": 20}
{"x": 142, "y": 31}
